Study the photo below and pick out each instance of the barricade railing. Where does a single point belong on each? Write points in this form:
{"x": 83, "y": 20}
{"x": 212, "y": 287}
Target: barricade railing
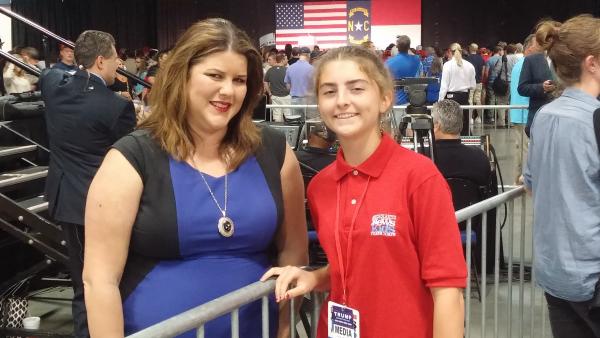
{"x": 502, "y": 325}
{"x": 395, "y": 113}
{"x": 403, "y": 107}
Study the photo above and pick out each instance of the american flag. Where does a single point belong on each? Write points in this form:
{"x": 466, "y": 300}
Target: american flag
{"x": 311, "y": 23}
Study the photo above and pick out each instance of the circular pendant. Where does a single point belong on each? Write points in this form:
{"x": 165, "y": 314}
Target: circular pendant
{"x": 225, "y": 226}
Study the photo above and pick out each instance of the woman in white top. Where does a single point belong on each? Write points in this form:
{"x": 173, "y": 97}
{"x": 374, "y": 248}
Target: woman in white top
{"x": 458, "y": 77}
{"x": 15, "y": 79}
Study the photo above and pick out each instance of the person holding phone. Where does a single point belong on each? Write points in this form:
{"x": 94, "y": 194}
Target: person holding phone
{"x": 536, "y": 80}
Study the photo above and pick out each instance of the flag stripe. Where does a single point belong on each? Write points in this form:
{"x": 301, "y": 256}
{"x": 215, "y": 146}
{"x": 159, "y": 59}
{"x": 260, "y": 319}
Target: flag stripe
{"x": 333, "y": 23}
{"x": 317, "y": 42}
{"x": 317, "y": 36}
{"x": 325, "y": 15}
{"x": 326, "y": 10}
{"x": 336, "y": 5}
{"x": 312, "y": 30}
{"x": 323, "y": 46}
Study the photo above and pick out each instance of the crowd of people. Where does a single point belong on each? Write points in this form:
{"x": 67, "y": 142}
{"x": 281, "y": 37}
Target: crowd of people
{"x": 196, "y": 200}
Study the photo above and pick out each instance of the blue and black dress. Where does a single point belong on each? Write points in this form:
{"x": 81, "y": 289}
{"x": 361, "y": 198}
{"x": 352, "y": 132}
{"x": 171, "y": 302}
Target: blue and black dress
{"x": 177, "y": 258}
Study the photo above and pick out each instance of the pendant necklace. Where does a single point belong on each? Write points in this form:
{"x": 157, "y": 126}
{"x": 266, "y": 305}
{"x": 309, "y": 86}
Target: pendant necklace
{"x": 225, "y": 224}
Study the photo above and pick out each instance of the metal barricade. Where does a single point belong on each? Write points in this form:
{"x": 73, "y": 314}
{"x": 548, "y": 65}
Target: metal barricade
{"x": 500, "y": 321}
{"x": 396, "y": 112}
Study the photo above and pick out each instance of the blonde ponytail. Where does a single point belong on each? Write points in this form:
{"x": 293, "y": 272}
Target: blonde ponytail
{"x": 457, "y": 53}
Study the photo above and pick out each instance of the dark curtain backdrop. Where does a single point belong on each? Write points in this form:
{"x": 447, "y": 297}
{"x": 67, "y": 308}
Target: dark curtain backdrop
{"x": 256, "y": 17}
{"x": 486, "y": 23}
{"x": 131, "y": 22}
{"x": 158, "y": 23}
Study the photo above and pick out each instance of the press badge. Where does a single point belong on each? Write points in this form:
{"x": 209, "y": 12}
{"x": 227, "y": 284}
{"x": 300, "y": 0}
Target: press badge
{"x": 342, "y": 321}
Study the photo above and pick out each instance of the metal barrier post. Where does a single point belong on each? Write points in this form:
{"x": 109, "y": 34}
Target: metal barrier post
{"x": 468, "y": 293}
{"x": 522, "y": 266}
{"x": 314, "y": 313}
{"x": 265, "y": 317}
{"x": 532, "y": 299}
{"x": 235, "y": 323}
{"x": 544, "y": 310}
{"x": 292, "y": 318}
{"x": 511, "y": 210}
{"x": 496, "y": 275}
{"x": 483, "y": 274}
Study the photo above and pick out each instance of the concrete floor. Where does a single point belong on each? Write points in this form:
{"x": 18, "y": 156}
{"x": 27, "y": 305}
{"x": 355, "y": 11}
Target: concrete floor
{"x": 55, "y": 312}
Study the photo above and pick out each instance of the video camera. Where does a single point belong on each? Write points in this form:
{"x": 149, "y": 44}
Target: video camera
{"x": 416, "y": 88}
{"x": 417, "y": 117}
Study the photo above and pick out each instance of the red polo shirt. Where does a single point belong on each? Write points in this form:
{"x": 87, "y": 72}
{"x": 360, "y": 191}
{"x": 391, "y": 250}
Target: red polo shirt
{"x": 405, "y": 239}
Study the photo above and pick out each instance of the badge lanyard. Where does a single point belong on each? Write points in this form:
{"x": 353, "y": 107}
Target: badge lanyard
{"x": 338, "y": 245}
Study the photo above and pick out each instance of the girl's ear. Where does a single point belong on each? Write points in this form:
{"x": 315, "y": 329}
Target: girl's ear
{"x": 386, "y": 102}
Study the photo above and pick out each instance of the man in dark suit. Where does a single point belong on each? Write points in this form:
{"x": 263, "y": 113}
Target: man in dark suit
{"x": 535, "y": 81}
{"x": 84, "y": 118}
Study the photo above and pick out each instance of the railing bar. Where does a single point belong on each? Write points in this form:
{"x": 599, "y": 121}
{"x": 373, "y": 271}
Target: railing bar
{"x": 544, "y": 309}
{"x": 481, "y": 106}
{"x": 511, "y": 210}
{"x": 532, "y": 310}
{"x": 522, "y": 267}
{"x": 468, "y": 293}
{"x": 235, "y": 323}
{"x": 314, "y": 313}
{"x": 265, "y": 317}
{"x": 191, "y": 319}
{"x": 488, "y": 204}
{"x": 292, "y": 318}
{"x": 200, "y": 332}
{"x": 483, "y": 274}
{"x": 496, "y": 275}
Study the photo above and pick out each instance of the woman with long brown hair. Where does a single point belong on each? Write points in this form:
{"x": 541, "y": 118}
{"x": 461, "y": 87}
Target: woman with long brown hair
{"x": 193, "y": 204}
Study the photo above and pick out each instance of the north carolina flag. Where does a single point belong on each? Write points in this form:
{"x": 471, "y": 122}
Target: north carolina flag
{"x": 326, "y": 23}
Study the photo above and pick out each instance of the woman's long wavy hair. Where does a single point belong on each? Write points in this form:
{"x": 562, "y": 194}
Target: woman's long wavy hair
{"x": 169, "y": 97}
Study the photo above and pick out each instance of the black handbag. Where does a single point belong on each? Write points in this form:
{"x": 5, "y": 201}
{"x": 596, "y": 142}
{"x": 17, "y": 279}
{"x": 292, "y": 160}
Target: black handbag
{"x": 14, "y": 305}
{"x": 500, "y": 85}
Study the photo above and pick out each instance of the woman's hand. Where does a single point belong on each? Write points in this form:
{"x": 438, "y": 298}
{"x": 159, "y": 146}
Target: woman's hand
{"x": 299, "y": 280}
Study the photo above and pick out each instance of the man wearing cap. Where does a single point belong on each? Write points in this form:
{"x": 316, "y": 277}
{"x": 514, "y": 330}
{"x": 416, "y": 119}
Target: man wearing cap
{"x": 66, "y": 60}
{"x": 403, "y": 66}
{"x": 298, "y": 79}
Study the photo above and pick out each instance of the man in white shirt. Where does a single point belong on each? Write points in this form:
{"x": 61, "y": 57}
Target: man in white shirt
{"x": 458, "y": 77}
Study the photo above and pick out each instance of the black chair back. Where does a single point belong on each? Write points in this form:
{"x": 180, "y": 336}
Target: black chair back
{"x": 465, "y": 192}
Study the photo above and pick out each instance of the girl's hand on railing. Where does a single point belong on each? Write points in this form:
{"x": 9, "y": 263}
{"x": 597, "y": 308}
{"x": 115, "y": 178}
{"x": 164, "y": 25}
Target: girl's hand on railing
{"x": 300, "y": 281}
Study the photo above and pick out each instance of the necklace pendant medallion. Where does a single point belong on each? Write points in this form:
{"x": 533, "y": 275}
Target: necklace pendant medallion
{"x": 226, "y": 226}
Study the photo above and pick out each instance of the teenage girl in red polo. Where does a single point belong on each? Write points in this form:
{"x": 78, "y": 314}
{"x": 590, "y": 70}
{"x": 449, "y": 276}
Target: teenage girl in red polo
{"x": 384, "y": 217}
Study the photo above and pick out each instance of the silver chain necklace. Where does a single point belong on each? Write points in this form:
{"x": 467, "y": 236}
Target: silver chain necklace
{"x": 225, "y": 224}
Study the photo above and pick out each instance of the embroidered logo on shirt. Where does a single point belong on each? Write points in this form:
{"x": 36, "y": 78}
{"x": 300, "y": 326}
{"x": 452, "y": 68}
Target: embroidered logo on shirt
{"x": 383, "y": 225}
